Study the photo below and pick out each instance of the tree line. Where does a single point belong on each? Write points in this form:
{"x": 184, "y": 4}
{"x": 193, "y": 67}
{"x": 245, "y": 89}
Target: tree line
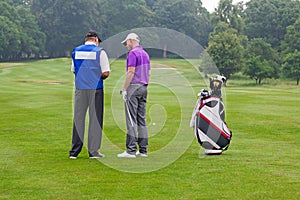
{"x": 259, "y": 38}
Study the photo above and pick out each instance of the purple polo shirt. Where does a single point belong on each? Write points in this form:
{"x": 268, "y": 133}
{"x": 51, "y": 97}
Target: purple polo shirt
{"x": 139, "y": 59}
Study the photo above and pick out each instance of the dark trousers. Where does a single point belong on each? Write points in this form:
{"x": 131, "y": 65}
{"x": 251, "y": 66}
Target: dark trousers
{"x": 135, "y": 109}
{"x": 83, "y": 100}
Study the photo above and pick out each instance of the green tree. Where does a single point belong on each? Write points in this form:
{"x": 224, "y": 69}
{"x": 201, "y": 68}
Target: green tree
{"x": 66, "y": 22}
{"x": 291, "y": 52}
{"x": 20, "y": 34}
{"x": 10, "y": 39}
{"x": 185, "y": 16}
{"x": 268, "y": 19}
{"x": 150, "y": 4}
{"x": 122, "y": 15}
{"x": 291, "y": 66}
{"x": 262, "y": 60}
{"x": 257, "y": 69}
{"x": 32, "y": 39}
{"x": 229, "y": 13}
{"x": 291, "y": 40}
{"x": 226, "y": 50}
{"x": 21, "y": 2}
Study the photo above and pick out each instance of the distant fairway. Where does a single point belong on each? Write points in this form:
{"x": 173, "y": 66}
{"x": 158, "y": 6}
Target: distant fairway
{"x": 36, "y": 100}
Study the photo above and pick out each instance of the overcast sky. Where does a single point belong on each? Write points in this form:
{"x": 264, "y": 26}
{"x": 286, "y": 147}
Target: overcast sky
{"x": 210, "y": 5}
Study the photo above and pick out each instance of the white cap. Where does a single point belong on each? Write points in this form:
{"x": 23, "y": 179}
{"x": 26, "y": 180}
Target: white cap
{"x": 132, "y": 36}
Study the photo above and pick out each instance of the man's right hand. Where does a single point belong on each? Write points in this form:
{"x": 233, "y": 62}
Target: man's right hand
{"x": 104, "y": 75}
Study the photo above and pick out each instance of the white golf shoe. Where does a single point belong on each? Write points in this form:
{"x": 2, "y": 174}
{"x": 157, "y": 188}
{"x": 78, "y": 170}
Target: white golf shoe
{"x": 126, "y": 155}
{"x": 141, "y": 154}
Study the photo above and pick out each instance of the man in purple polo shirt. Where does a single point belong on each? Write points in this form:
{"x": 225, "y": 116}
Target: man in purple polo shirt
{"x": 134, "y": 94}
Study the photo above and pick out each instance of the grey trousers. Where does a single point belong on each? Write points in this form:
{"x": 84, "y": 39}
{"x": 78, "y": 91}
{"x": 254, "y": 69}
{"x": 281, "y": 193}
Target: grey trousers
{"x": 83, "y": 100}
{"x": 135, "y": 109}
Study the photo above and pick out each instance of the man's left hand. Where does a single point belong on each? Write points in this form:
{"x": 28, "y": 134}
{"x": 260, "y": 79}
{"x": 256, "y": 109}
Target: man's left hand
{"x": 124, "y": 95}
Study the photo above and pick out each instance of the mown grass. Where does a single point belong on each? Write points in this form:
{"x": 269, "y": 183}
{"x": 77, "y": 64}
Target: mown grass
{"x": 36, "y": 98}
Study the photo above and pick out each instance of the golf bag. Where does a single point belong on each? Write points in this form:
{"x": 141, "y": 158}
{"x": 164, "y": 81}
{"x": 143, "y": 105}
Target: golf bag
{"x": 208, "y": 120}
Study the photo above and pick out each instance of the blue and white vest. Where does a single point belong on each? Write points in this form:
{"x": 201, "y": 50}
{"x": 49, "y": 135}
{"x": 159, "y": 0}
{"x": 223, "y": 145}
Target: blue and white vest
{"x": 87, "y": 67}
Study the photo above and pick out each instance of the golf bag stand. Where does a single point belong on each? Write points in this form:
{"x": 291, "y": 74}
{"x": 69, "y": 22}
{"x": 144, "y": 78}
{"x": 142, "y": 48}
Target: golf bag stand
{"x": 208, "y": 120}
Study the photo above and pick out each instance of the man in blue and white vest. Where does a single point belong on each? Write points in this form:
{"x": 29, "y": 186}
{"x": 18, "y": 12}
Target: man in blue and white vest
{"x": 91, "y": 66}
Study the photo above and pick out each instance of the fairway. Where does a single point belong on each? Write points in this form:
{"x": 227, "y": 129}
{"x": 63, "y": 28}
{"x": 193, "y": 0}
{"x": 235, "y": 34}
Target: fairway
{"x": 36, "y": 108}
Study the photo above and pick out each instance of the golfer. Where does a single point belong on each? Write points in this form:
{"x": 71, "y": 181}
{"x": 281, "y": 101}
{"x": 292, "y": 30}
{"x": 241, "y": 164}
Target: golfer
{"x": 91, "y": 66}
{"x": 134, "y": 94}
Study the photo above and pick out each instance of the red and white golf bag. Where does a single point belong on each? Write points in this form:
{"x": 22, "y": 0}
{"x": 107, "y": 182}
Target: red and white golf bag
{"x": 208, "y": 120}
